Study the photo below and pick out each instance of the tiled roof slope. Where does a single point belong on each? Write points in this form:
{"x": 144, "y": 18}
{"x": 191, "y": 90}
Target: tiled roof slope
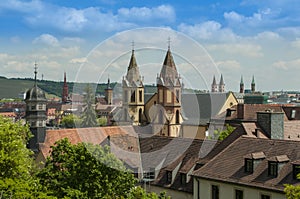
{"x": 228, "y": 166}
{"x": 88, "y": 135}
{"x": 173, "y": 152}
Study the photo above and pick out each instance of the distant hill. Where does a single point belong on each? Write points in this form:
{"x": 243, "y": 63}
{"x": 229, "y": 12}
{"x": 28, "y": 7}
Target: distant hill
{"x": 14, "y": 87}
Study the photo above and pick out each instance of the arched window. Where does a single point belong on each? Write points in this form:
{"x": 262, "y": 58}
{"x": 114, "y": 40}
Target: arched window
{"x": 177, "y": 117}
{"x": 132, "y": 96}
{"x": 141, "y": 96}
{"x": 161, "y": 117}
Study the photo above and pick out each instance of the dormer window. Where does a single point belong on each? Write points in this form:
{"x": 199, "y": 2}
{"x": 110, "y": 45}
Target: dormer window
{"x": 252, "y": 160}
{"x": 248, "y": 165}
{"x": 273, "y": 169}
{"x": 296, "y": 169}
{"x": 149, "y": 175}
{"x": 169, "y": 176}
{"x": 183, "y": 178}
{"x": 275, "y": 164}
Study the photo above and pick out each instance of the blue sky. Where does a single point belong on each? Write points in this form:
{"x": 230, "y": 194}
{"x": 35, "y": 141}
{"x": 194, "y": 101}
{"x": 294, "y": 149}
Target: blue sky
{"x": 249, "y": 37}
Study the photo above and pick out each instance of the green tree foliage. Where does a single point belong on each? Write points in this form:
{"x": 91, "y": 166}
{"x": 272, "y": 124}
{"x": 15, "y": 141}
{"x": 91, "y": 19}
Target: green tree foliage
{"x": 292, "y": 192}
{"x": 16, "y": 163}
{"x": 89, "y": 117}
{"x": 102, "y": 121}
{"x": 140, "y": 193}
{"x": 222, "y": 134}
{"x": 71, "y": 121}
{"x": 85, "y": 171}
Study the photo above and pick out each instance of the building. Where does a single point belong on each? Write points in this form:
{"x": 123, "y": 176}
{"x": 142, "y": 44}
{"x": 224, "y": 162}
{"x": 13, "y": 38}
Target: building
{"x": 65, "y": 91}
{"x": 218, "y": 87}
{"x": 249, "y": 168}
{"x": 36, "y": 114}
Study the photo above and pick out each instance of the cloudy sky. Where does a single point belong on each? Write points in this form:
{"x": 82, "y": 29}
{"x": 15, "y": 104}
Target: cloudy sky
{"x": 248, "y": 37}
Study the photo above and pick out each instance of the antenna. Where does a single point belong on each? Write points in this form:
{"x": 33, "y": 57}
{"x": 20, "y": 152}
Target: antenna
{"x": 35, "y": 71}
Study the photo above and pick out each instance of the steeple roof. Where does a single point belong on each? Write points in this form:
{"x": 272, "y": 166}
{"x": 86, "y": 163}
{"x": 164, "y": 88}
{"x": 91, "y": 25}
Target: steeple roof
{"x": 133, "y": 77}
{"x": 35, "y": 93}
{"x": 221, "y": 80}
{"x": 253, "y": 82}
{"x": 214, "y": 81}
{"x": 242, "y": 81}
{"x": 168, "y": 74}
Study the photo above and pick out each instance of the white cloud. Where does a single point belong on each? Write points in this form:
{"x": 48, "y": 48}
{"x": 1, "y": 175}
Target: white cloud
{"x": 78, "y": 60}
{"x": 291, "y": 65}
{"x": 228, "y": 65}
{"x": 162, "y": 12}
{"x": 209, "y": 30}
{"x": 46, "y": 39}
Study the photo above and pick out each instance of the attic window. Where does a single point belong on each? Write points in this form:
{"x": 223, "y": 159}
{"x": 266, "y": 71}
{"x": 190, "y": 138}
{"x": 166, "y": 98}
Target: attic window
{"x": 296, "y": 170}
{"x": 252, "y": 160}
{"x": 169, "y": 176}
{"x": 293, "y": 114}
{"x": 275, "y": 164}
{"x": 183, "y": 178}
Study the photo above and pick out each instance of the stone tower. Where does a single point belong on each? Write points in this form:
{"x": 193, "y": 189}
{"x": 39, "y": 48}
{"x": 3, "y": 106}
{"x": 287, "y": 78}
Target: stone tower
{"x": 169, "y": 87}
{"x": 222, "y": 85}
{"x": 242, "y": 87}
{"x": 253, "y": 85}
{"x": 133, "y": 93}
{"x": 65, "y": 91}
{"x": 109, "y": 93}
{"x": 214, "y": 86}
{"x": 36, "y": 114}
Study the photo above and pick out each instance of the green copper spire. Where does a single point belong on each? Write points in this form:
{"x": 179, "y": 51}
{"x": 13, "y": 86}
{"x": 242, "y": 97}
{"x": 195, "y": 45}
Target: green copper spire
{"x": 253, "y": 82}
{"x": 242, "y": 81}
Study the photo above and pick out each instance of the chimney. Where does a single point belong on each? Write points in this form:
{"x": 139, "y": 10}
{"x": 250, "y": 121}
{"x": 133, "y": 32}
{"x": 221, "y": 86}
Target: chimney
{"x": 240, "y": 111}
{"x": 272, "y": 123}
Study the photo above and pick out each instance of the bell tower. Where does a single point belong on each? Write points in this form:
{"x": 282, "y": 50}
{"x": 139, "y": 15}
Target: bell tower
{"x": 133, "y": 93}
{"x": 109, "y": 93}
{"x": 214, "y": 86}
{"x": 253, "y": 85}
{"x": 169, "y": 87}
{"x": 65, "y": 92}
{"x": 242, "y": 88}
{"x": 36, "y": 114}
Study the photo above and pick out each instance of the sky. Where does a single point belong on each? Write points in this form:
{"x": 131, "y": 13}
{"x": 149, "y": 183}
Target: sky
{"x": 92, "y": 39}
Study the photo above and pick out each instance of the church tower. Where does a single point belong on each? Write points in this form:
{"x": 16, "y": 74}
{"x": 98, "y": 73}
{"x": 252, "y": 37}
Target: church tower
{"x": 133, "y": 93}
{"x": 222, "y": 85}
{"x": 65, "y": 91}
{"x": 109, "y": 93}
{"x": 36, "y": 114}
{"x": 242, "y": 88}
{"x": 214, "y": 86}
{"x": 169, "y": 87}
{"x": 253, "y": 85}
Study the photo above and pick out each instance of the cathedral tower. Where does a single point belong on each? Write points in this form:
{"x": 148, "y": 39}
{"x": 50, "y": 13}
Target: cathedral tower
{"x": 222, "y": 85}
{"x": 36, "y": 114}
{"x": 214, "y": 86}
{"x": 242, "y": 87}
{"x": 133, "y": 93}
{"x": 65, "y": 91}
{"x": 109, "y": 93}
{"x": 169, "y": 98}
{"x": 253, "y": 85}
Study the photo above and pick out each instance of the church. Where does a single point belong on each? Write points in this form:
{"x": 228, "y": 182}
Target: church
{"x": 162, "y": 110}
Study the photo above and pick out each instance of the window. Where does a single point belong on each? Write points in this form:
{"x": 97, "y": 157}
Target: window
{"x": 198, "y": 187}
{"x": 177, "y": 96}
{"x": 40, "y": 107}
{"x": 32, "y": 107}
{"x": 273, "y": 169}
{"x": 141, "y": 96}
{"x": 263, "y": 196}
{"x": 132, "y": 96}
{"x": 150, "y": 175}
{"x": 177, "y": 117}
{"x": 169, "y": 176}
{"x": 248, "y": 165}
{"x": 214, "y": 192}
{"x": 239, "y": 194}
{"x": 140, "y": 115}
{"x": 296, "y": 170}
{"x": 183, "y": 178}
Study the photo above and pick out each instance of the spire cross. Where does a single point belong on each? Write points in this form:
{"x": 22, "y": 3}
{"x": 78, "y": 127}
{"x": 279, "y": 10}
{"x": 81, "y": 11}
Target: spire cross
{"x": 132, "y": 45}
{"x": 169, "y": 42}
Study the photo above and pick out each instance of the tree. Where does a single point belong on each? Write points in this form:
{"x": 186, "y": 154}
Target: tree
{"x": 16, "y": 163}
{"x": 89, "y": 116}
{"x": 140, "y": 193}
{"x": 85, "y": 171}
{"x": 292, "y": 192}
{"x": 102, "y": 121}
{"x": 71, "y": 121}
{"x": 222, "y": 134}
